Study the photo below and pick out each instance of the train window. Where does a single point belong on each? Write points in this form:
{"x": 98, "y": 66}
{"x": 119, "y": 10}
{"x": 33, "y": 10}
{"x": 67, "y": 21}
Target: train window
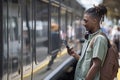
{"x": 70, "y": 28}
{"x": 41, "y": 30}
{"x": 11, "y": 41}
{"x": 27, "y": 36}
{"x": 54, "y": 14}
{"x": 41, "y": 33}
{"x": 54, "y": 28}
{"x": 5, "y": 43}
{"x": 69, "y": 18}
{"x": 63, "y": 30}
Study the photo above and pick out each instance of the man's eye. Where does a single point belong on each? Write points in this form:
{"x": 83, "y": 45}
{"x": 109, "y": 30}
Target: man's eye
{"x": 85, "y": 20}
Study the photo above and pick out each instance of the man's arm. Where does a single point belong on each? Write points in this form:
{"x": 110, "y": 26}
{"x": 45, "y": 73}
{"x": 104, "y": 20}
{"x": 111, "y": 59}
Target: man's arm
{"x": 76, "y": 56}
{"x": 95, "y": 67}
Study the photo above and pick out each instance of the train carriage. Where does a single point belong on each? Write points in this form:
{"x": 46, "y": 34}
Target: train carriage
{"x": 25, "y": 39}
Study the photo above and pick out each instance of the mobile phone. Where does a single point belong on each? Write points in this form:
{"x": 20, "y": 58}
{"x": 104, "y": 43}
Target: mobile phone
{"x": 66, "y": 44}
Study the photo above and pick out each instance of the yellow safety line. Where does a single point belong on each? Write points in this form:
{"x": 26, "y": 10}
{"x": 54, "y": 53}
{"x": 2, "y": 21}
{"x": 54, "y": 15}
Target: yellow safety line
{"x": 44, "y": 64}
{"x": 118, "y": 74}
{"x": 59, "y": 55}
{"x": 36, "y": 69}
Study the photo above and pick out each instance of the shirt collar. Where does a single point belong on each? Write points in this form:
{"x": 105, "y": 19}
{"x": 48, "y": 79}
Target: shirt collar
{"x": 93, "y": 34}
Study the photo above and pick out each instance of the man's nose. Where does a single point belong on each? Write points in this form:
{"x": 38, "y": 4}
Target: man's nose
{"x": 83, "y": 23}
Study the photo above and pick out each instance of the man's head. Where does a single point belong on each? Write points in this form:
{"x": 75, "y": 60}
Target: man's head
{"x": 93, "y": 16}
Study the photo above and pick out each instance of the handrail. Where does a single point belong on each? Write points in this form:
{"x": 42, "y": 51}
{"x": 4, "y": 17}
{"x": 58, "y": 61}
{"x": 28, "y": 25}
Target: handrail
{"x": 58, "y": 71}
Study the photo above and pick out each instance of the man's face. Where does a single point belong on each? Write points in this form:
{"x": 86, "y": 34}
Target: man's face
{"x": 88, "y": 22}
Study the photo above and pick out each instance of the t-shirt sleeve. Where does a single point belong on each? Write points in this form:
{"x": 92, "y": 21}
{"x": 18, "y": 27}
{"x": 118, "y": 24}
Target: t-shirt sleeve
{"x": 100, "y": 47}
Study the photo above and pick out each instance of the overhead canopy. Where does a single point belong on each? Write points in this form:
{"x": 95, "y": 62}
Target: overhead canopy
{"x": 113, "y": 8}
{"x": 77, "y": 7}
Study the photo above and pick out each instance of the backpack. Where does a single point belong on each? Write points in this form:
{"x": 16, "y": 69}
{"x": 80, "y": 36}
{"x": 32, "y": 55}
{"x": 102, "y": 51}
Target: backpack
{"x": 110, "y": 66}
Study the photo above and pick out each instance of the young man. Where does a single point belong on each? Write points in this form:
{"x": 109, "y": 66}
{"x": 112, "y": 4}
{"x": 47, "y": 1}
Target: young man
{"x": 91, "y": 59}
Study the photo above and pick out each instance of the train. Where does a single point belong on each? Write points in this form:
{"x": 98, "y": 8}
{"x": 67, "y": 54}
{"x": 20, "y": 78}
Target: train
{"x": 25, "y": 38}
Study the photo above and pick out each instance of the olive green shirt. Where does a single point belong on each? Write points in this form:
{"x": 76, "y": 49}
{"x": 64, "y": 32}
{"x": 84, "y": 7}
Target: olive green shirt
{"x": 98, "y": 50}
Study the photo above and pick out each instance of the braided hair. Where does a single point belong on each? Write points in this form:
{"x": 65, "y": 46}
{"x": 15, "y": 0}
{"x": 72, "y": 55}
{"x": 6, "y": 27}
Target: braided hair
{"x": 97, "y": 12}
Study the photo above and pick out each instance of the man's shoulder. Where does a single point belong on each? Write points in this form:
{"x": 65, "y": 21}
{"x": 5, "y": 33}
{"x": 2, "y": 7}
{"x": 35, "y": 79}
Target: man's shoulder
{"x": 100, "y": 39}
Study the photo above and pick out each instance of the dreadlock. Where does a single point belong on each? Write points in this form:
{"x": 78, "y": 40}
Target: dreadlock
{"x": 97, "y": 12}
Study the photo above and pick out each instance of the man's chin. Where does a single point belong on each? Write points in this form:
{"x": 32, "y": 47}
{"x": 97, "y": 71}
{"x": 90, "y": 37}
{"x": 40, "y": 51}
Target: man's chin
{"x": 87, "y": 29}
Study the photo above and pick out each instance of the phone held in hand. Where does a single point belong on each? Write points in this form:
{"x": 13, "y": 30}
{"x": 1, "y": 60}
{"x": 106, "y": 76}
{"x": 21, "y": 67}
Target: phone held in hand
{"x": 66, "y": 44}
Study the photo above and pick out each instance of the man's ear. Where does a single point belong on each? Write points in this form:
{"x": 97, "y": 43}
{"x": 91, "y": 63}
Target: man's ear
{"x": 94, "y": 20}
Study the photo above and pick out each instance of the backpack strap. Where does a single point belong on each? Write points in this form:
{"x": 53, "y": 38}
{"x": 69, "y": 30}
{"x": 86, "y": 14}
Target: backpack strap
{"x": 103, "y": 34}
{"x": 93, "y": 40}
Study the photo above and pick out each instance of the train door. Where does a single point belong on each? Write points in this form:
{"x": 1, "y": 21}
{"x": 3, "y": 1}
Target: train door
{"x": 41, "y": 34}
{"x": 11, "y": 40}
{"x": 17, "y": 39}
{"x": 27, "y": 38}
{"x": 63, "y": 29}
{"x": 70, "y": 29}
{"x": 41, "y": 24}
{"x": 54, "y": 29}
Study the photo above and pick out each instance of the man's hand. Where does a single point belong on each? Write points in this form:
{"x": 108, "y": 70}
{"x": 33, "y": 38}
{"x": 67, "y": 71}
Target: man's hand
{"x": 70, "y": 51}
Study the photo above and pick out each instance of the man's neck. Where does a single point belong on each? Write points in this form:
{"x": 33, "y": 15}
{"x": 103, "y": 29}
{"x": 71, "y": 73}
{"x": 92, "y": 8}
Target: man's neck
{"x": 96, "y": 28}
